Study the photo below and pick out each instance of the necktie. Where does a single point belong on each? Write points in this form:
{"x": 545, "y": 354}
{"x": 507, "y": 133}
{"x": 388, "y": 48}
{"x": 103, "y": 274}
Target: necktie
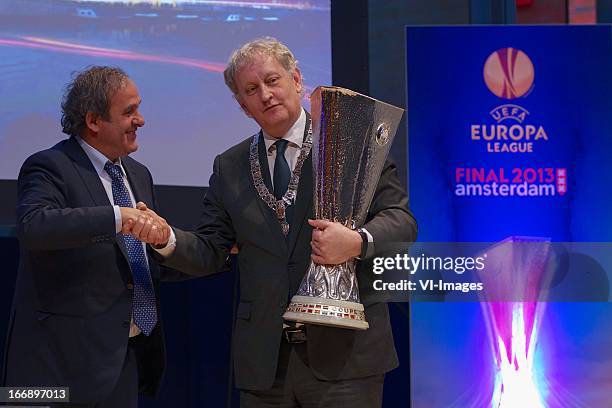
{"x": 281, "y": 169}
{"x": 144, "y": 310}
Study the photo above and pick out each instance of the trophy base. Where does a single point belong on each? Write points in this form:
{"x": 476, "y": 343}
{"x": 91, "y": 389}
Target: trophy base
{"x": 326, "y": 312}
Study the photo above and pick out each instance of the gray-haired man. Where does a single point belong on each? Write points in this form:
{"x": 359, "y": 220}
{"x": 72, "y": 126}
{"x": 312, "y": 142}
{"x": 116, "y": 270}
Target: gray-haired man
{"x": 85, "y": 312}
{"x": 310, "y": 366}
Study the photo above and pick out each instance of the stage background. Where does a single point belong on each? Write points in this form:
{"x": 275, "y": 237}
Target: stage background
{"x": 175, "y": 51}
{"x": 552, "y": 85}
{"x": 368, "y": 55}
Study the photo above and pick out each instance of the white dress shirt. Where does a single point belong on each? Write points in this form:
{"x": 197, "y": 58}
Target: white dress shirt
{"x": 295, "y": 137}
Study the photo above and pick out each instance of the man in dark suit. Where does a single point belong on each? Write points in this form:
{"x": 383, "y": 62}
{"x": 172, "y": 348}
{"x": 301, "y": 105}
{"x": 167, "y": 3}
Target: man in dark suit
{"x": 86, "y": 308}
{"x": 276, "y": 365}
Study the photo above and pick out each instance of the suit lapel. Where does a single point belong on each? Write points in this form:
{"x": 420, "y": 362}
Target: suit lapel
{"x": 141, "y": 188}
{"x": 92, "y": 182}
{"x": 88, "y": 174}
{"x": 303, "y": 203}
{"x": 136, "y": 187}
{"x": 263, "y": 162}
{"x": 138, "y": 182}
{"x": 267, "y": 212}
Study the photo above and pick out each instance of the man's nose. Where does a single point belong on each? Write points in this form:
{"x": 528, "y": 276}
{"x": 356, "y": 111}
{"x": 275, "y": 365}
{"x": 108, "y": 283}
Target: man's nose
{"x": 139, "y": 120}
{"x": 266, "y": 93}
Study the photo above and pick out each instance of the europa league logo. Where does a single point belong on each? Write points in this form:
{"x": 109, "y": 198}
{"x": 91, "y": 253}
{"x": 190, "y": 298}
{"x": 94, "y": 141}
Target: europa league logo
{"x": 508, "y": 73}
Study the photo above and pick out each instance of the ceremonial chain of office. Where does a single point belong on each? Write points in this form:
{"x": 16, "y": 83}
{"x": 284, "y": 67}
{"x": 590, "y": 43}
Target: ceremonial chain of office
{"x": 279, "y": 206}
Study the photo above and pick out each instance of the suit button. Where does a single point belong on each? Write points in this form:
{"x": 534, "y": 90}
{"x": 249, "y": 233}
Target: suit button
{"x": 125, "y": 324}
{"x": 130, "y": 286}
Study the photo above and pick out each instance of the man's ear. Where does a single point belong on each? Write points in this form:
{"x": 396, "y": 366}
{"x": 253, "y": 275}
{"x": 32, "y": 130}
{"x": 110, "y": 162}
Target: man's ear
{"x": 297, "y": 79}
{"x": 92, "y": 121}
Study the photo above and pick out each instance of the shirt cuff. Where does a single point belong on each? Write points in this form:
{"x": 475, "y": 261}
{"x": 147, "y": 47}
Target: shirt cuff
{"x": 118, "y": 221}
{"x": 169, "y": 248}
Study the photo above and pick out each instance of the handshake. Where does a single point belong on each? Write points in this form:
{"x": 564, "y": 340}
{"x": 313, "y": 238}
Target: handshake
{"x": 145, "y": 225}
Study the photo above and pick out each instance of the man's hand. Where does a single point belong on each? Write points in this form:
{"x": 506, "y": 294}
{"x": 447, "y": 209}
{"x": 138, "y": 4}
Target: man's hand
{"x": 145, "y": 225}
{"x": 333, "y": 243}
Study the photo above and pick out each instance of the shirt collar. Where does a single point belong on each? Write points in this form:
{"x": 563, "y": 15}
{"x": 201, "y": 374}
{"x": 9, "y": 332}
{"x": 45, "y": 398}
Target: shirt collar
{"x": 96, "y": 157}
{"x": 295, "y": 135}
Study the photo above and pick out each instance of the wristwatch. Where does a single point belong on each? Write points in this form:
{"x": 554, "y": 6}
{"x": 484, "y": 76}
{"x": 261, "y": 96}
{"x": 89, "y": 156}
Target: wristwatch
{"x": 364, "y": 243}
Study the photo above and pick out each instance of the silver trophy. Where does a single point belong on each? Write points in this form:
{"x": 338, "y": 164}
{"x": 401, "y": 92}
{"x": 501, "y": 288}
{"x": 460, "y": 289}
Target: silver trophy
{"x": 352, "y": 135}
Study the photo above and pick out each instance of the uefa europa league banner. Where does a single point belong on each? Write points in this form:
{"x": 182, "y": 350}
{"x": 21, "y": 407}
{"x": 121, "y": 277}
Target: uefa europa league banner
{"x": 510, "y": 132}
{"x": 510, "y": 142}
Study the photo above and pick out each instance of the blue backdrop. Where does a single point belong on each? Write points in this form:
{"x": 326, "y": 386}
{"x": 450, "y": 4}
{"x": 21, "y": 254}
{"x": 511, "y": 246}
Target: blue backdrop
{"x": 569, "y": 99}
{"x": 510, "y": 134}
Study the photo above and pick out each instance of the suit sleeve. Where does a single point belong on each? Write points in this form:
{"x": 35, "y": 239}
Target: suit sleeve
{"x": 45, "y": 221}
{"x": 389, "y": 219}
{"x": 167, "y": 274}
{"x": 206, "y": 250}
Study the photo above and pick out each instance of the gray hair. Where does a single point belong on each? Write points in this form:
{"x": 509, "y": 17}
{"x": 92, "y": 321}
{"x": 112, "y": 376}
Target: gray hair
{"x": 90, "y": 91}
{"x": 266, "y": 46}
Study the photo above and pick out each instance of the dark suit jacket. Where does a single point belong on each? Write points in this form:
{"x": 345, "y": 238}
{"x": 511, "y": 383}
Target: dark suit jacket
{"x": 71, "y": 312}
{"x": 271, "y": 268}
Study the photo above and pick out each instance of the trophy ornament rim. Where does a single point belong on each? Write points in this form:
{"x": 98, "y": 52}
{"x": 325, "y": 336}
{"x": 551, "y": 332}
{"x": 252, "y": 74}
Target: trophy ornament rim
{"x": 350, "y": 92}
{"x": 327, "y": 302}
{"x": 326, "y": 321}
{"x": 300, "y": 305}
